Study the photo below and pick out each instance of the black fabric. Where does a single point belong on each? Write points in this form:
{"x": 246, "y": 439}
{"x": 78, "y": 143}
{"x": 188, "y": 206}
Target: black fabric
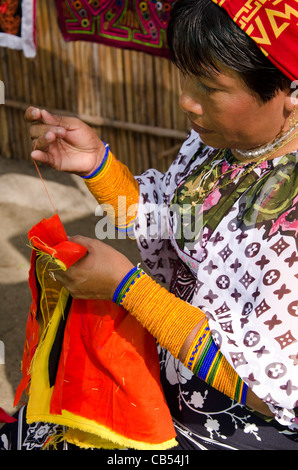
{"x": 21, "y": 436}
{"x": 213, "y": 428}
{"x": 57, "y": 345}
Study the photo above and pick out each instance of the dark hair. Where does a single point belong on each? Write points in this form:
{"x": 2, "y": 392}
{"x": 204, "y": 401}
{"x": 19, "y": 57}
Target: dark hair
{"x": 201, "y": 36}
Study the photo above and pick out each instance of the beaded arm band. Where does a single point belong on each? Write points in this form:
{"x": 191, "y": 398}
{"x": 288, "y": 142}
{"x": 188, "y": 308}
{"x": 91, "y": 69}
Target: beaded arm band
{"x": 170, "y": 320}
{"x": 125, "y": 284}
{"x": 166, "y": 317}
{"x": 101, "y": 166}
{"x": 116, "y": 190}
{"x": 206, "y": 361}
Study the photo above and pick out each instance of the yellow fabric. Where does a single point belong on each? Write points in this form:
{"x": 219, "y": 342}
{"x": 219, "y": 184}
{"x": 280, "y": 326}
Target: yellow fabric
{"x": 81, "y": 431}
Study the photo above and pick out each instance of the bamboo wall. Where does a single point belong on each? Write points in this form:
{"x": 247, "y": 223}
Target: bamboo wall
{"x": 131, "y": 98}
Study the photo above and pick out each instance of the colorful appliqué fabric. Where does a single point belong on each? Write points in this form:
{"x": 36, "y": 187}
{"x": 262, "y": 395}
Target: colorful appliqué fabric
{"x": 82, "y": 357}
{"x": 139, "y": 25}
{"x": 239, "y": 266}
{"x": 17, "y": 26}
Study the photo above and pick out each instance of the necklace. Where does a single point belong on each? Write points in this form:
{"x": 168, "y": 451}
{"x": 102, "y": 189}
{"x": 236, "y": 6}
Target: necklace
{"x": 261, "y": 151}
{"x": 271, "y": 147}
{"x": 204, "y": 188}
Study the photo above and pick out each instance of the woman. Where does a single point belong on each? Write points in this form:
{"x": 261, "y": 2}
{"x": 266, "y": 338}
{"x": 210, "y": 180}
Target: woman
{"x": 233, "y": 275}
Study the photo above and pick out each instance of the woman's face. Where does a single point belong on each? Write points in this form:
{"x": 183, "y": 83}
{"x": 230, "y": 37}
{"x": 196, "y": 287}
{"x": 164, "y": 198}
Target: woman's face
{"x": 226, "y": 113}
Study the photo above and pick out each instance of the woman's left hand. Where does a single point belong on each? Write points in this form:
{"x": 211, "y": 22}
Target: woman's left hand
{"x": 98, "y": 274}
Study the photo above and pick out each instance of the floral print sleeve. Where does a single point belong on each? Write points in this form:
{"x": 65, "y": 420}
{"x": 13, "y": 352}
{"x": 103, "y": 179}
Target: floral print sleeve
{"x": 245, "y": 265}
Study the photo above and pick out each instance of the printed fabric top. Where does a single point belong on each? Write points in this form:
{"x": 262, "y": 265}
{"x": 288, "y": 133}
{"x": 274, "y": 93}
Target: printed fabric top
{"x": 235, "y": 227}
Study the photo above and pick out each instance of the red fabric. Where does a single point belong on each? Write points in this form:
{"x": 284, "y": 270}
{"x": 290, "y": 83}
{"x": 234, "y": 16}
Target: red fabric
{"x": 49, "y": 237}
{"x": 272, "y": 25}
{"x": 6, "y": 418}
{"x": 31, "y": 337}
{"x": 110, "y": 373}
{"x": 108, "y": 369}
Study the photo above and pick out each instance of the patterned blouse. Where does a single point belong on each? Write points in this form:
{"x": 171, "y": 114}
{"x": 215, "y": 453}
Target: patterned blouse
{"x": 223, "y": 235}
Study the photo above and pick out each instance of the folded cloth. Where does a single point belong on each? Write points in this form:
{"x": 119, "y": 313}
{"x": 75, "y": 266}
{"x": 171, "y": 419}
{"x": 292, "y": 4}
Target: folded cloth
{"x": 88, "y": 364}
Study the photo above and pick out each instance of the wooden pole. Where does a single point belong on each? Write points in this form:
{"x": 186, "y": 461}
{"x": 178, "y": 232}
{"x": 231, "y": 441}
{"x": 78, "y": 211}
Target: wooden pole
{"x": 98, "y": 121}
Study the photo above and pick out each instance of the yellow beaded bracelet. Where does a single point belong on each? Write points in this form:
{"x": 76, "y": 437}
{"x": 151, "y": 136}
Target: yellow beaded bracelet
{"x": 116, "y": 190}
{"x": 169, "y": 319}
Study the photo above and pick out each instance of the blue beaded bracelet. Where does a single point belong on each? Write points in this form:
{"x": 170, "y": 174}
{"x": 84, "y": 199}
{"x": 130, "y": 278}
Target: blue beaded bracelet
{"x": 124, "y": 285}
{"x": 102, "y": 164}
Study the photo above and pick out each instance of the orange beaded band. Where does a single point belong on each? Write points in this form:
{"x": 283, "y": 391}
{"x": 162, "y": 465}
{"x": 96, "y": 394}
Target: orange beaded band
{"x": 169, "y": 319}
{"x": 117, "y": 191}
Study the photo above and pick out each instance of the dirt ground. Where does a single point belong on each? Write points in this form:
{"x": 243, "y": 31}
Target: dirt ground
{"x": 23, "y": 203}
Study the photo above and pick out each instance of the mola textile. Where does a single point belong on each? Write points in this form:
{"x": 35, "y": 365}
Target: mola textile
{"x": 273, "y": 27}
{"x": 139, "y": 25}
{"x": 87, "y": 364}
{"x": 17, "y": 25}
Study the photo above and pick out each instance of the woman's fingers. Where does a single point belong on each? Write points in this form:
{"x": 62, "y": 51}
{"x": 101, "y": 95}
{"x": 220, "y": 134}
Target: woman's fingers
{"x": 64, "y": 142}
{"x": 37, "y": 130}
{"x": 45, "y": 130}
{"x": 41, "y": 157}
{"x": 32, "y": 114}
{"x": 44, "y": 135}
{"x": 97, "y": 274}
{"x": 37, "y": 115}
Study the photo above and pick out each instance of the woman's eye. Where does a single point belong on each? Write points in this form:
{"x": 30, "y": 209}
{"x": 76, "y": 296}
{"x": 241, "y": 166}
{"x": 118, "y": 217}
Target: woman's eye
{"x": 207, "y": 89}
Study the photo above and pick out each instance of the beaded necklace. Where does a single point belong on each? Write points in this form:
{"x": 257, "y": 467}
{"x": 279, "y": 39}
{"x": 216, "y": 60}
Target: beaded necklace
{"x": 272, "y": 146}
{"x": 204, "y": 192}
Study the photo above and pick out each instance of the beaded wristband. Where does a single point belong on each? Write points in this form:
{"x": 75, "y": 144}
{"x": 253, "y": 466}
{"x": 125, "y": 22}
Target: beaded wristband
{"x": 206, "y": 361}
{"x": 125, "y": 284}
{"x": 169, "y": 319}
{"x": 101, "y": 166}
{"x": 117, "y": 191}
{"x": 196, "y": 349}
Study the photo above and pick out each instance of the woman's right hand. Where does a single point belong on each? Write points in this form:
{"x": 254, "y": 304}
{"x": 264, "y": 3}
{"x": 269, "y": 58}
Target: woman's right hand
{"x": 64, "y": 143}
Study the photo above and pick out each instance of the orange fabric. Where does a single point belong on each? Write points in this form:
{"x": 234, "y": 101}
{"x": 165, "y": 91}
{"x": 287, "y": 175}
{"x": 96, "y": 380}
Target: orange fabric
{"x": 272, "y": 25}
{"x": 108, "y": 370}
{"x": 49, "y": 237}
{"x": 116, "y": 380}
